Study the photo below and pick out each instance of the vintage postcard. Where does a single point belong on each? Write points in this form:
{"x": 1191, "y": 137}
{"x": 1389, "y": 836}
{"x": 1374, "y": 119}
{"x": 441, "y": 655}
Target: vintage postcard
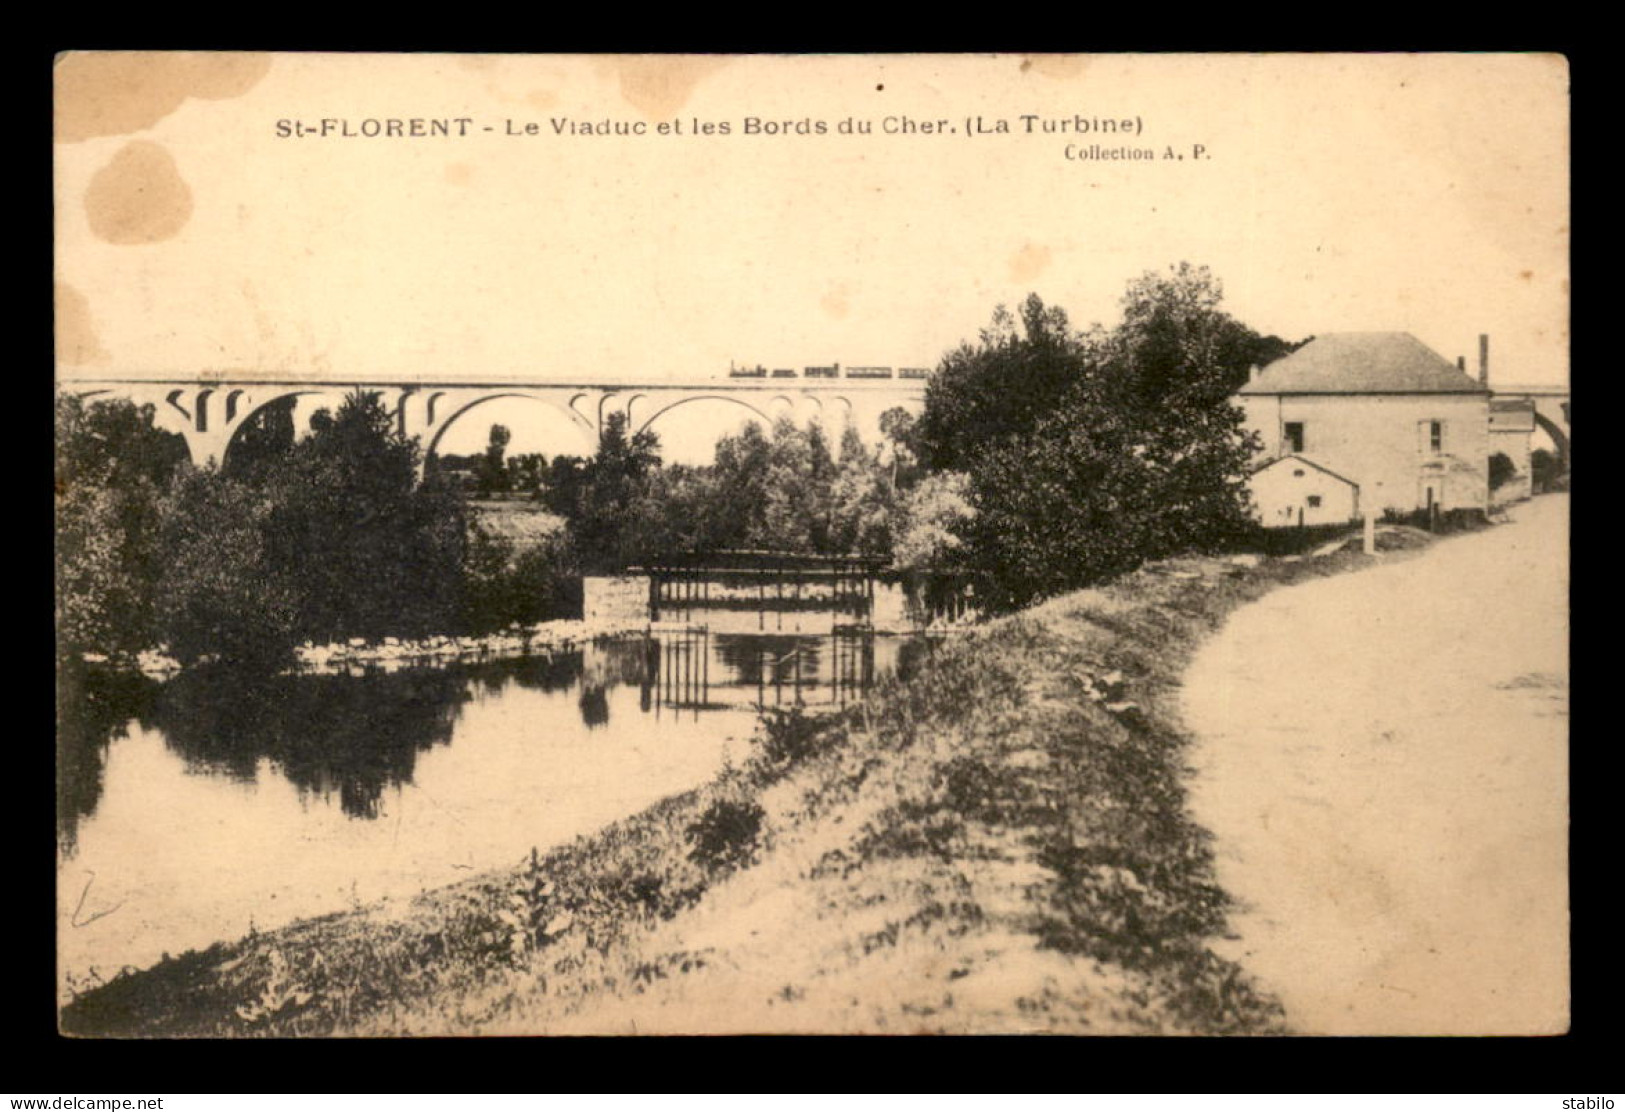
{"x": 878, "y": 544}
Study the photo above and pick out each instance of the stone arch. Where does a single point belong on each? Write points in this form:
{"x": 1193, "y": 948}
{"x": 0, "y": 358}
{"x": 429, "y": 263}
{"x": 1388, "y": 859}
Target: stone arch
{"x": 1560, "y": 439}
{"x": 257, "y": 407}
{"x": 442, "y": 427}
{"x": 665, "y": 409}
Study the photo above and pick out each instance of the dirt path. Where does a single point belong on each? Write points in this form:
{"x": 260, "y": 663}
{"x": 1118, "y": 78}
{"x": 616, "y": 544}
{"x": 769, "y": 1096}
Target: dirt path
{"x": 1384, "y": 763}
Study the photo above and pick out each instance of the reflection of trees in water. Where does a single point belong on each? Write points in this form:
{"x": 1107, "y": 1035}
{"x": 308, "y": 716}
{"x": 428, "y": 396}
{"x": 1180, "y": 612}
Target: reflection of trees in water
{"x": 356, "y": 735}
{"x": 594, "y": 704}
{"x": 350, "y": 734}
{"x": 93, "y": 706}
{"x": 556, "y": 672}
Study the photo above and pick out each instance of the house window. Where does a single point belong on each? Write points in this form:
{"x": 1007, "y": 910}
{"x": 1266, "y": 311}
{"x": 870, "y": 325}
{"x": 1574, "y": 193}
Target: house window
{"x": 1314, "y": 501}
{"x": 1294, "y": 436}
{"x": 1430, "y": 438}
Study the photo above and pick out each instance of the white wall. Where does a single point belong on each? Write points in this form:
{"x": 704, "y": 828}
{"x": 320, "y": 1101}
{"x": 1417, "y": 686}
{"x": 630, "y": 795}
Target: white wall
{"x": 1282, "y": 494}
{"x": 1380, "y": 442}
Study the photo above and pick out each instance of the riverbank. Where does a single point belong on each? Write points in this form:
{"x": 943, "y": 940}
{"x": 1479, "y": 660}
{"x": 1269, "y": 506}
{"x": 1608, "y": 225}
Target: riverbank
{"x": 997, "y": 843}
{"x": 357, "y": 655}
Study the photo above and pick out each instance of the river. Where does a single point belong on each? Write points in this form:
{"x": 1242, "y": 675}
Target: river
{"x": 1383, "y": 760}
{"x": 198, "y": 809}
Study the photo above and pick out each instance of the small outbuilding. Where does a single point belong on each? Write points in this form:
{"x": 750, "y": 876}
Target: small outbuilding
{"x": 1295, "y": 490}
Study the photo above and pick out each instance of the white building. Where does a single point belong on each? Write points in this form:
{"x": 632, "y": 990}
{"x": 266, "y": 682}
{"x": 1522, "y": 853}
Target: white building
{"x": 1295, "y": 490}
{"x": 1379, "y": 411}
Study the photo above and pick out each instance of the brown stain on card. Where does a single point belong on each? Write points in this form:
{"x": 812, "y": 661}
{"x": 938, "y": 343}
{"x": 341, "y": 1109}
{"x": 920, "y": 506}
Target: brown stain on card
{"x": 459, "y": 173}
{"x": 658, "y": 85}
{"x": 1053, "y": 65}
{"x": 138, "y": 197}
{"x": 100, "y": 93}
{"x": 836, "y": 302}
{"x": 1029, "y": 262}
{"x": 76, "y": 341}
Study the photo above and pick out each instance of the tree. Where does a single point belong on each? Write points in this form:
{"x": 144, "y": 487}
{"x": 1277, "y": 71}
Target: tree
{"x": 931, "y": 522}
{"x": 863, "y": 500}
{"x": 1502, "y": 470}
{"x": 1545, "y": 470}
{"x": 899, "y": 427}
{"x": 222, "y": 592}
{"x": 612, "y": 487}
{"x": 984, "y": 395}
{"x": 1092, "y": 453}
{"x": 741, "y": 475}
{"x": 491, "y": 475}
{"x": 112, "y": 465}
{"x": 263, "y": 443}
{"x": 375, "y": 553}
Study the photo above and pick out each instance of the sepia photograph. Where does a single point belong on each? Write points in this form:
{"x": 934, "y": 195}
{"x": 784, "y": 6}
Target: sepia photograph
{"x": 868, "y": 544}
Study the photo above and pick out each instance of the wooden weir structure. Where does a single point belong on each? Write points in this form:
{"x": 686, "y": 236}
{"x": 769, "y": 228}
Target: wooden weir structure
{"x": 687, "y": 593}
{"x": 770, "y": 583}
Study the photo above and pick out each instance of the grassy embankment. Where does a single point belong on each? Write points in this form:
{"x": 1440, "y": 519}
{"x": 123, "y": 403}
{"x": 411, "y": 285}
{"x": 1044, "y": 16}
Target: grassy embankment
{"x": 998, "y": 843}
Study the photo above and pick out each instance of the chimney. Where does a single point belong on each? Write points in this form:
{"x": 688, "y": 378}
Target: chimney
{"x": 1483, "y": 359}
{"x": 1252, "y": 373}
{"x": 1461, "y": 363}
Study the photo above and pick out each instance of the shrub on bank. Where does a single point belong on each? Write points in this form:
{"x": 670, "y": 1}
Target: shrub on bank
{"x": 725, "y": 835}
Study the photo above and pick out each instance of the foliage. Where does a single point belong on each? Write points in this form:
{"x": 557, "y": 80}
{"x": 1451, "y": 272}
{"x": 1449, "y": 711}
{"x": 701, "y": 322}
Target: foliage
{"x": 1546, "y": 470}
{"x": 328, "y": 538}
{"x": 263, "y": 443}
{"x": 611, "y": 490}
{"x": 931, "y": 520}
{"x": 112, "y": 464}
{"x": 1087, "y": 454}
{"x": 491, "y": 473}
{"x": 221, "y": 593}
{"x": 1502, "y": 470}
{"x": 725, "y": 835}
{"x": 987, "y": 394}
{"x": 785, "y": 491}
{"x": 501, "y": 587}
{"x": 373, "y": 552}
{"x": 790, "y": 735}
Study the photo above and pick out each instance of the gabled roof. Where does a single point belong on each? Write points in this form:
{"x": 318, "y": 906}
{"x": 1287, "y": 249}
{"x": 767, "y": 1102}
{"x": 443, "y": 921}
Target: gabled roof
{"x": 1277, "y": 461}
{"x": 1364, "y": 363}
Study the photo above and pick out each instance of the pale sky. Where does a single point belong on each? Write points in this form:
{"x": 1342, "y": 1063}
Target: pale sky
{"x": 1426, "y": 194}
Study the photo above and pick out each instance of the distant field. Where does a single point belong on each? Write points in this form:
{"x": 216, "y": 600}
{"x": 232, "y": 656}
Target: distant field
{"x": 519, "y": 522}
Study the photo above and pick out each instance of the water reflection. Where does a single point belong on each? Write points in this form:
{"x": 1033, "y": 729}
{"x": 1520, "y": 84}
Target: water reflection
{"x": 351, "y": 737}
{"x": 94, "y": 708}
{"x": 328, "y": 735}
{"x": 200, "y": 807}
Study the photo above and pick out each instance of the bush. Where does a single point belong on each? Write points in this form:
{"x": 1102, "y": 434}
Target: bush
{"x": 1294, "y": 540}
{"x": 1460, "y": 520}
{"x": 1502, "y": 470}
{"x": 725, "y": 835}
{"x": 789, "y": 736}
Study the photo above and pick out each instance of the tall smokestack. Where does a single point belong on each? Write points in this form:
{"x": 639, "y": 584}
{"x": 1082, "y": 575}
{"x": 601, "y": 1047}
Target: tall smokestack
{"x": 1483, "y": 359}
